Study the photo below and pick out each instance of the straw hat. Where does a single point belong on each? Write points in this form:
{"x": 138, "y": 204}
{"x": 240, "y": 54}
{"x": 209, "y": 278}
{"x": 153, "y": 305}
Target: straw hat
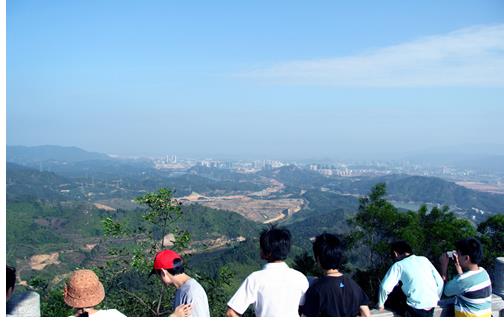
{"x": 83, "y": 289}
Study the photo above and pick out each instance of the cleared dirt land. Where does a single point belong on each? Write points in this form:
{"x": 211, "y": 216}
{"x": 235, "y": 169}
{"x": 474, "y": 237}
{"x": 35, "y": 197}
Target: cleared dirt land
{"x": 104, "y": 207}
{"x": 39, "y": 262}
{"x": 259, "y": 210}
{"x": 496, "y": 189}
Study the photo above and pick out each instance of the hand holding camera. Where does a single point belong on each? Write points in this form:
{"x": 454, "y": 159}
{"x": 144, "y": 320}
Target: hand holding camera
{"x": 444, "y": 260}
{"x": 451, "y": 254}
{"x": 454, "y": 256}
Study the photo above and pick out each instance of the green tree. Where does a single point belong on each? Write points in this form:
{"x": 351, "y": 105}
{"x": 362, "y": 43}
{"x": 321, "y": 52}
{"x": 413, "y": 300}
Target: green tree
{"x": 306, "y": 264}
{"x": 162, "y": 211}
{"x": 128, "y": 288}
{"x": 375, "y": 225}
{"x": 440, "y": 230}
{"x": 215, "y": 288}
{"x": 132, "y": 251}
{"x": 51, "y": 298}
{"x": 491, "y": 235}
{"x": 378, "y": 222}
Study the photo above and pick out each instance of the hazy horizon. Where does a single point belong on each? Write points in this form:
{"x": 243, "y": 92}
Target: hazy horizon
{"x": 475, "y": 152}
{"x": 257, "y": 80}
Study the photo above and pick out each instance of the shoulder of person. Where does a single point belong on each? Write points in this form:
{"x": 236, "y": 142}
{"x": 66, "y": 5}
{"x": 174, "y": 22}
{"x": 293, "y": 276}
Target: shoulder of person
{"x": 257, "y": 274}
{"x": 352, "y": 282}
{"x": 255, "y": 277}
{"x": 25, "y": 304}
{"x": 409, "y": 260}
{"x": 319, "y": 283}
{"x": 483, "y": 270}
{"x": 299, "y": 275}
{"x": 108, "y": 313}
{"x": 296, "y": 272}
{"x": 423, "y": 259}
{"x": 418, "y": 260}
{"x": 192, "y": 283}
{"x": 196, "y": 286}
{"x": 397, "y": 265}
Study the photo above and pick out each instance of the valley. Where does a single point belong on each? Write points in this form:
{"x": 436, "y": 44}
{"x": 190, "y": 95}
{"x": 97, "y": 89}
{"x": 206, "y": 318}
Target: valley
{"x": 55, "y": 218}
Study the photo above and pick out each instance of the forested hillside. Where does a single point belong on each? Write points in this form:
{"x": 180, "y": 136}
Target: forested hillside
{"x": 95, "y": 214}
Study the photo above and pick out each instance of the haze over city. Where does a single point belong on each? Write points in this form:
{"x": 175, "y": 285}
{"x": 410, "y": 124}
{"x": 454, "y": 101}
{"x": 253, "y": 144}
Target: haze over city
{"x": 262, "y": 158}
{"x": 362, "y": 79}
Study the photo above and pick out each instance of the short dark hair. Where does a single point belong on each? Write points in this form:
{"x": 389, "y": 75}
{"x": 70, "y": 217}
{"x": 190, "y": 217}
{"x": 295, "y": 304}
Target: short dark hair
{"x": 11, "y": 277}
{"x": 178, "y": 268}
{"x": 401, "y": 247}
{"x": 471, "y": 247}
{"x": 275, "y": 243}
{"x": 328, "y": 251}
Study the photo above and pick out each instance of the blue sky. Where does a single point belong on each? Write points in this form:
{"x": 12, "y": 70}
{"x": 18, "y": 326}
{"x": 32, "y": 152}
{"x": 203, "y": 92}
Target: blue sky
{"x": 289, "y": 79}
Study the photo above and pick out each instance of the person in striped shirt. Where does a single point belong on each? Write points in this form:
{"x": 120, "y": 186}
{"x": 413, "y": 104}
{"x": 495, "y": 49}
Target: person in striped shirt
{"x": 472, "y": 287}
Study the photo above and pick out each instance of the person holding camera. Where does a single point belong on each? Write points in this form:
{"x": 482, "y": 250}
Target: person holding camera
{"x": 471, "y": 287}
{"x": 421, "y": 283}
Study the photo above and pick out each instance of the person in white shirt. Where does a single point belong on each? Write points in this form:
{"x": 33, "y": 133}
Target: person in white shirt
{"x": 83, "y": 292}
{"x": 276, "y": 290}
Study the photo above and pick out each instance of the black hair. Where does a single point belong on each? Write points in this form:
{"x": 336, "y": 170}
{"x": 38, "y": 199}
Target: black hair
{"x": 275, "y": 243}
{"x": 328, "y": 251}
{"x": 178, "y": 267}
{"x": 471, "y": 247}
{"x": 400, "y": 247}
{"x": 11, "y": 277}
{"x": 82, "y": 313}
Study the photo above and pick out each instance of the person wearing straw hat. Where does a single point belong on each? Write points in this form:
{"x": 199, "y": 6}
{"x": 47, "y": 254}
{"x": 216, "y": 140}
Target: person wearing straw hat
{"x": 84, "y": 292}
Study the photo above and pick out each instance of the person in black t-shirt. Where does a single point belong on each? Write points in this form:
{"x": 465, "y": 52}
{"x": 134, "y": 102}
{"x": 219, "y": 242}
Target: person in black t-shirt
{"x": 334, "y": 294}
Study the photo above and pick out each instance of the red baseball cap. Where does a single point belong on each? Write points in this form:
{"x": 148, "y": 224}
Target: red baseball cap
{"x": 165, "y": 259}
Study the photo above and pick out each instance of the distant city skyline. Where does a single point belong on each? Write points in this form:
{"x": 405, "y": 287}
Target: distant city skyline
{"x": 265, "y": 79}
{"x": 449, "y": 156}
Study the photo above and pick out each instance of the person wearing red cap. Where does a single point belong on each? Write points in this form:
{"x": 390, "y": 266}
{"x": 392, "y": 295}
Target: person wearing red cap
{"x": 169, "y": 266}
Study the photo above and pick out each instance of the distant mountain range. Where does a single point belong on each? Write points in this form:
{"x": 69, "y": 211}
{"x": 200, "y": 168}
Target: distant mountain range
{"x": 435, "y": 190}
{"x": 479, "y": 162}
{"x": 404, "y": 188}
{"x": 74, "y": 166}
{"x": 24, "y": 183}
{"x": 40, "y": 154}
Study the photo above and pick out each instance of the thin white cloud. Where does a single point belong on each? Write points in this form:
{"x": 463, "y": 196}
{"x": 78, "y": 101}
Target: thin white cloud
{"x": 468, "y": 57}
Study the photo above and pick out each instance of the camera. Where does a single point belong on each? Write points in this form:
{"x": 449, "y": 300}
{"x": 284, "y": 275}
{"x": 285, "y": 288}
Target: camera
{"x": 451, "y": 254}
